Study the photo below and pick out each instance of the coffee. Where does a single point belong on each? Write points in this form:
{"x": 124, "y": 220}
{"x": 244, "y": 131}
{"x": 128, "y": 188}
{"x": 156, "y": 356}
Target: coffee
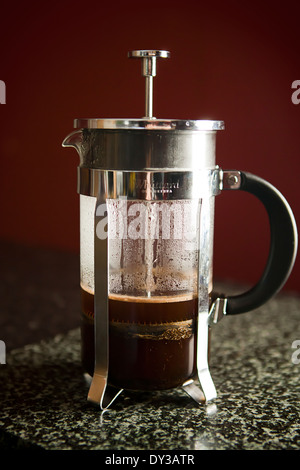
{"x": 152, "y": 341}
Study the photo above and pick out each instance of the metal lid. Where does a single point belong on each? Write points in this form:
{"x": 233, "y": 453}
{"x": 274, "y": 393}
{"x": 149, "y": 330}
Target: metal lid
{"x": 149, "y": 124}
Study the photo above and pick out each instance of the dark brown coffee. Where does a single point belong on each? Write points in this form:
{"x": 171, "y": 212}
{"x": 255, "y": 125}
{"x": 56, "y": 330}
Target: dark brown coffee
{"x": 152, "y": 341}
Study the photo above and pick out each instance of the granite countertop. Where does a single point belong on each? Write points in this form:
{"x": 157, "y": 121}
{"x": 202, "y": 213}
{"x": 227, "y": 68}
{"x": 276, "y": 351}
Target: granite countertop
{"x": 43, "y": 393}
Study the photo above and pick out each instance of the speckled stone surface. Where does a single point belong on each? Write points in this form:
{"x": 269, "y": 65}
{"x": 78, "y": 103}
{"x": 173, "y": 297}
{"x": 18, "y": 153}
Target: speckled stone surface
{"x": 254, "y": 366}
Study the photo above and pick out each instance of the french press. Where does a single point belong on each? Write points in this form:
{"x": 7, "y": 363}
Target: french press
{"x": 147, "y": 191}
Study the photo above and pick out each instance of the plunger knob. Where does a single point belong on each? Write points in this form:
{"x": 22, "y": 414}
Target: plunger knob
{"x": 149, "y": 71}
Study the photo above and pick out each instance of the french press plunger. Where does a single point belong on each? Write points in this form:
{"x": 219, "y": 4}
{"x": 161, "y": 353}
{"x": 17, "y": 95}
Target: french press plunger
{"x": 147, "y": 189}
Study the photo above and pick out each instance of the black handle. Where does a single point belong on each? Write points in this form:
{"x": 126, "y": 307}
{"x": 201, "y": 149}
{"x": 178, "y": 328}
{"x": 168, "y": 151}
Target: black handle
{"x": 283, "y": 246}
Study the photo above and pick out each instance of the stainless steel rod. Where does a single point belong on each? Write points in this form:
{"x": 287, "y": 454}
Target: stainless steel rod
{"x": 149, "y": 97}
{"x": 149, "y": 71}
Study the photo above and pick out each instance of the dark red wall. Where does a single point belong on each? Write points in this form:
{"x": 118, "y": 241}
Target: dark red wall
{"x": 234, "y": 61}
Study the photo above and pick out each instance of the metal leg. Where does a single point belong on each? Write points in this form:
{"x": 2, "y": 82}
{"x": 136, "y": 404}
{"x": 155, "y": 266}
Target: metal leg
{"x": 100, "y": 392}
{"x": 208, "y": 391}
{"x": 204, "y": 375}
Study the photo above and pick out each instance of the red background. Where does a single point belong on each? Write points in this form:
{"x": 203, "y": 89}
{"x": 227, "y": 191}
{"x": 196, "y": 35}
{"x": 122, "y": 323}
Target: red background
{"x": 232, "y": 61}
